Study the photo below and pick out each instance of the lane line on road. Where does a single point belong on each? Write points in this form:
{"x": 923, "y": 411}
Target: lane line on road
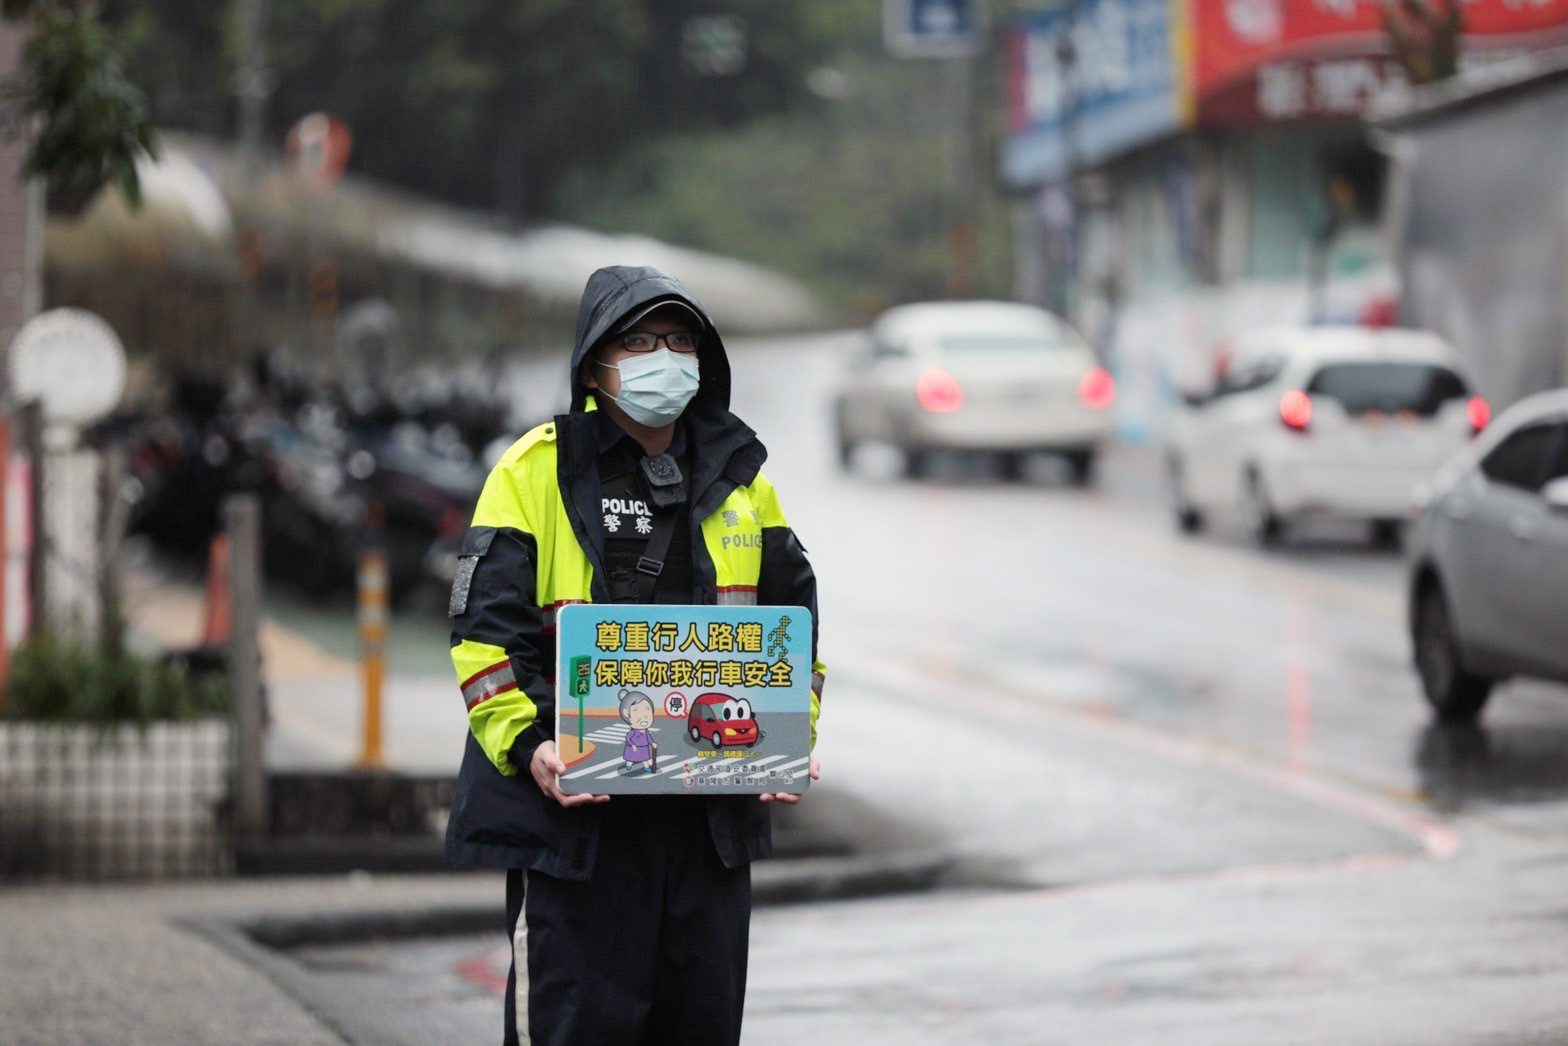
{"x": 1436, "y": 839}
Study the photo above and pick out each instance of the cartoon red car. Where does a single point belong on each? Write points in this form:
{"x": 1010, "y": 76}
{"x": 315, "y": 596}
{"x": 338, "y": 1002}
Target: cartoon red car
{"x": 722, "y": 721}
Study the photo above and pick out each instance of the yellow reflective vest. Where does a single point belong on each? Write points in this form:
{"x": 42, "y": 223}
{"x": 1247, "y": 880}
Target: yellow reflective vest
{"x": 525, "y": 557}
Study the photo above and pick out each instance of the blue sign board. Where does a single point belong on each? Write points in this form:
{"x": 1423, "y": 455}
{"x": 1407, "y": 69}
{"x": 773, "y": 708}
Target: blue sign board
{"x": 932, "y": 28}
{"x": 661, "y": 699}
{"x": 1085, "y": 83}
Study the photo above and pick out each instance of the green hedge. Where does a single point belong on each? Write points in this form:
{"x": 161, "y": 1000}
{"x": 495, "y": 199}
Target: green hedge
{"x": 57, "y": 681}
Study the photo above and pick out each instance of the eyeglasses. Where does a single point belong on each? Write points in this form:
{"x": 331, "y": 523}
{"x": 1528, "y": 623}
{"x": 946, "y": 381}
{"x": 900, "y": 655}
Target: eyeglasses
{"x": 647, "y": 341}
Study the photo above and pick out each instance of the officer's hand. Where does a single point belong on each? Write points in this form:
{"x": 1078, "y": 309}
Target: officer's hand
{"x": 545, "y": 765}
{"x": 791, "y": 798}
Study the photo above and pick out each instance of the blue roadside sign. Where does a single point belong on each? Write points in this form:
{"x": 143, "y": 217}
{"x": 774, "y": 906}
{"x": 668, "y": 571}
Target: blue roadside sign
{"x": 1116, "y": 92}
{"x": 932, "y": 28}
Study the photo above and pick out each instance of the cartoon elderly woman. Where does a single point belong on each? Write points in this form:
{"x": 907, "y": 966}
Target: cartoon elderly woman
{"x": 637, "y": 713}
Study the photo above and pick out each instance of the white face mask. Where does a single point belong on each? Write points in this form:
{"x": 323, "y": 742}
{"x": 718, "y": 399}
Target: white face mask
{"x": 656, "y": 386}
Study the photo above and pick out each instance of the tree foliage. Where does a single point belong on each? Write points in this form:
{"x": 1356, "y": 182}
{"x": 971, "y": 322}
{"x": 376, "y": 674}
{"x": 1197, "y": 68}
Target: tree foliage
{"x": 859, "y": 200}
{"x": 89, "y": 123}
{"x": 486, "y": 103}
{"x": 822, "y": 156}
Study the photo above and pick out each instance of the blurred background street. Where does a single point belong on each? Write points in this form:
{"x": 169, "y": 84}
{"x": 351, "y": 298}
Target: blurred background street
{"x": 1175, "y": 790}
{"x": 1170, "y": 398}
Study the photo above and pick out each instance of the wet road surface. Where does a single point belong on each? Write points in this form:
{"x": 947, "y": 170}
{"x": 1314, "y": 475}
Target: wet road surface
{"x": 1191, "y": 786}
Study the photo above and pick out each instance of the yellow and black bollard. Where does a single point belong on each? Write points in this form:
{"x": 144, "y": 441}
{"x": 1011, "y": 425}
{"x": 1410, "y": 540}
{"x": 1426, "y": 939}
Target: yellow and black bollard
{"x": 373, "y": 602}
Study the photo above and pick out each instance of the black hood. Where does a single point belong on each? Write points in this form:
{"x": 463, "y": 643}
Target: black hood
{"x": 615, "y": 292}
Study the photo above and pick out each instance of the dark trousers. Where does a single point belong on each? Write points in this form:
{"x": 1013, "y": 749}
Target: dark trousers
{"x": 652, "y": 949}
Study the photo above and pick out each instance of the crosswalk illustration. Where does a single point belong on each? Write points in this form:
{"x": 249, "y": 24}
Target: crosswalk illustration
{"x": 610, "y": 738}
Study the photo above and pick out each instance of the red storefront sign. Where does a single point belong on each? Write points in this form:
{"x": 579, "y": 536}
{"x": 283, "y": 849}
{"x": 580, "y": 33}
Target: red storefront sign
{"x": 1278, "y": 60}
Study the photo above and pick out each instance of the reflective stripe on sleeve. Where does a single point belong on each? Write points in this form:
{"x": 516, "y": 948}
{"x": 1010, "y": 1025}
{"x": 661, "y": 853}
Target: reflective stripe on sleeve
{"x": 551, "y": 612}
{"x": 482, "y": 686}
{"x": 817, "y": 679}
{"x": 737, "y": 596}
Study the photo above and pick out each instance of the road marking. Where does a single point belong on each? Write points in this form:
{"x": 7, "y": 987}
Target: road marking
{"x": 1436, "y": 839}
{"x": 789, "y": 765}
{"x": 591, "y": 769}
{"x": 483, "y": 971}
{"x": 694, "y": 761}
{"x": 620, "y": 771}
{"x": 617, "y": 762}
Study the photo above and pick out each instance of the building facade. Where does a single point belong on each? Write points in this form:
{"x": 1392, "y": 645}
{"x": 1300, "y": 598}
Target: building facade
{"x": 1184, "y": 170}
{"x": 1483, "y": 245}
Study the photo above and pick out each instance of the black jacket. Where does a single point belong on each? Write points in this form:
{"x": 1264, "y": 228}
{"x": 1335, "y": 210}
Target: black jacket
{"x": 507, "y": 821}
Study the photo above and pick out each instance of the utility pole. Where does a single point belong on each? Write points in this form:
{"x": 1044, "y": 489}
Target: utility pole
{"x": 954, "y": 32}
{"x": 1071, "y": 99}
{"x": 252, "y": 83}
{"x": 252, "y": 86}
{"x": 963, "y": 274}
{"x": 242, "y": 521}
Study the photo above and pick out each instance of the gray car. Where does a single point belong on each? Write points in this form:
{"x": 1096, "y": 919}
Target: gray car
{"x": 1489, "y": 561}
{"x": 999, "y": 377}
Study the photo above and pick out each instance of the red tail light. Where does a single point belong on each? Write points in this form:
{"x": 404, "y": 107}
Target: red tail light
{"x": 1295, "y": 410}
{"x": 938, "y": 391}
{"x": 1097, "y": 389}
{"x": 1479, "y": 412}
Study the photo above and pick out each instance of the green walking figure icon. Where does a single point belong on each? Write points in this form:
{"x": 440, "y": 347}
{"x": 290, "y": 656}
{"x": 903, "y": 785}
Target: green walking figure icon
{"x": 778, "y": 641}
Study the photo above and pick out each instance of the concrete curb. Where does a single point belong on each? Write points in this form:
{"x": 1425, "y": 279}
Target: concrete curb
{"x": 263, "y": 938}
{"x": 846, "y": 878}
{"x": 773, "y": 883}
{"x": 234, "y": 937}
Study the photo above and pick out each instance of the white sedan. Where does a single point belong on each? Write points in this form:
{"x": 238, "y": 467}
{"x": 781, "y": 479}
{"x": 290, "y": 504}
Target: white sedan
{"x": 1335, "y": 421}
{"x": 1489, "y": 561}
{"x": 992, "y": 376}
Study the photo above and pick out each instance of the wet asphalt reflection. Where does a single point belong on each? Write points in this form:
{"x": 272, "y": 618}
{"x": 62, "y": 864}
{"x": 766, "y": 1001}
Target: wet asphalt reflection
{"x": 1462, "y": 766}
{"x": 1205, "y": 769}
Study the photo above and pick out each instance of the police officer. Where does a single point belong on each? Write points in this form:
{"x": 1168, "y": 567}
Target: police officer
{"x": 647, "y": 491}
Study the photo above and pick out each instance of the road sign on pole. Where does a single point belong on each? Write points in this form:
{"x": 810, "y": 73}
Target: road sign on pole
{"x": 933, "y": 28}
{"x": 714, "y": 45}
{"x": 72, "y": 363}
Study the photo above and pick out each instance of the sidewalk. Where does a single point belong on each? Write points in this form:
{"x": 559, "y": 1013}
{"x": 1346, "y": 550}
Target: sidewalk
{"x": 181, "y": 962}
{"x": 313, "y": 683}
{"x": 124, "y": 964}
{"x": 194, "y": 963}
